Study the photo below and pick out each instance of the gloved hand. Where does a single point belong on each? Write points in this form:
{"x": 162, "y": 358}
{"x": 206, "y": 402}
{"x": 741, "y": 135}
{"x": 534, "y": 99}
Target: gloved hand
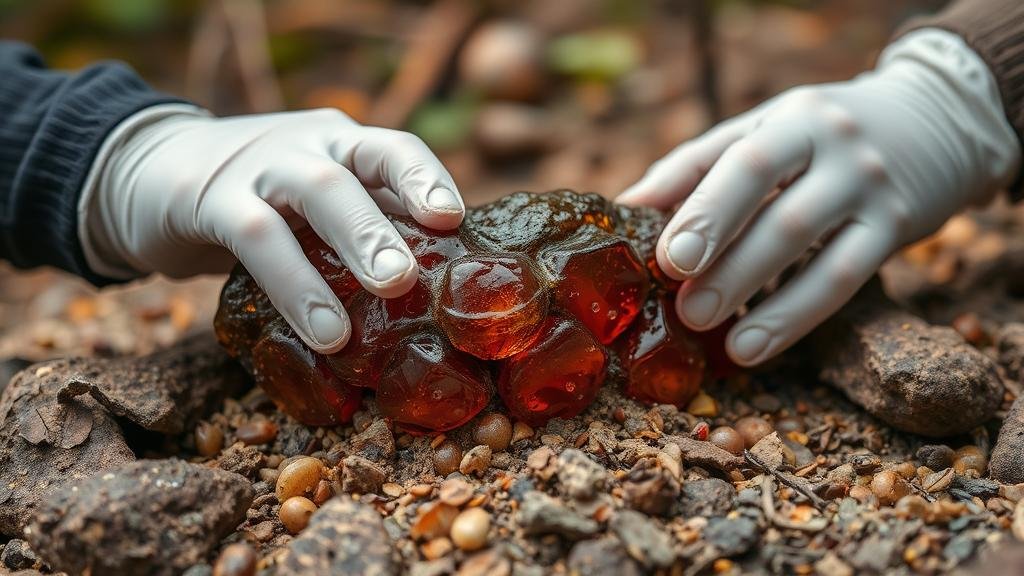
{"x": 184, "y": 193}
{"x": 864, "y": 167}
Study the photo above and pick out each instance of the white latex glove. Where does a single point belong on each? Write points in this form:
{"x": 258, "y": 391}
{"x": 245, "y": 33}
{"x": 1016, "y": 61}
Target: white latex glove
{"x": 182, "y": 193}
{"x": 864, "y": 166}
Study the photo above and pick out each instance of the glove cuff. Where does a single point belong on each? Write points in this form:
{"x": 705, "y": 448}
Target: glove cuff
{"x": 96, "y": 224}
{"x": 952, "y": 86}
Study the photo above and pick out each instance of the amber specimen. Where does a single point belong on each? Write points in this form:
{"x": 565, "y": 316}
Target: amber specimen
{"x": 299, "y": 381}
{"x": 492, "y": 306}
{"x": 543, "y": 292}
{"x": 664, "y": 360}
{"x": 558, "y": 376}
{"x": 431, "y": 386}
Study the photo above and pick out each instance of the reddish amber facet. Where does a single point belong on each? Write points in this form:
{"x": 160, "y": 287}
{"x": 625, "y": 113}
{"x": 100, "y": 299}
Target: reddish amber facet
{"x": 559, "y": 375}
{"x": 664, "y": 362}
{"x": 428, "y": 385}
{"x": 598, "y": 279}
{"x": 491, "y": 306}
{"x": 377, "y": 326}
{"x": 299, "y": 381}
{"x": 531, "y": 287}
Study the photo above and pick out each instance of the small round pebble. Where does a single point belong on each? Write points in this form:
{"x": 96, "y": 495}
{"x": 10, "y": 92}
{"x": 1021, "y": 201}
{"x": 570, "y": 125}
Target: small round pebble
{"x": 752, "y": 429}
{"x": 209, "y": 439}
{"x": 258, "y": 431}
{"x": 727, "y": 438}
{"x": 889, "y": 487}
{"x": 295, "y": 513}
{"x": 970, "y": 459}
{"x": 494, "y": 430}
{"x": 299, "y": 478}
{"x": 470, "y": 528}
{"x": 447, "y": 458}
{"x": 238, "y": 559}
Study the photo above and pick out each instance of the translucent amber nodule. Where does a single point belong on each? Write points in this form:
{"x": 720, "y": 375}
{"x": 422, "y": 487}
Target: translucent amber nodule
{"x": 543, "y": 292}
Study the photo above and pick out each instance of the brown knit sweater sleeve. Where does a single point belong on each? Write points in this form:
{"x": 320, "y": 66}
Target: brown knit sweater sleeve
{"x": 995, "y": 30}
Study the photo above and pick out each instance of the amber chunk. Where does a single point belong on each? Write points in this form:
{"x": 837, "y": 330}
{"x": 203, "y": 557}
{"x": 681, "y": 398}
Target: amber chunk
{"x": 559, "y": 375}
{"x": 378, "y": 324}
{"x": 664, "y": 362}
{"x": 428, "y": 385}
{"x": 299, "y": 381}
{"x": 530, "y": 288}
{"x": 598, "y": 279}
{"x": 524, "y": 222}
{"x": 492, "y": 306}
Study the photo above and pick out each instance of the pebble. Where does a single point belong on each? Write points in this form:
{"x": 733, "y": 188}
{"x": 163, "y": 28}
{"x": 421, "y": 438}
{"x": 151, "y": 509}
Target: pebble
{"x": 260, "y": 431}
{"x": 1017, "y": 526}
{"x": 752, "y": 429}
{"x": 521, "y": 431}
{"x": 938, "y": 481}
{"x": 865, "y": 463}
{"x": 765, "y": 402}
{"x": 470, "y": 528}
{"x": 238, "y": 559}
{"x": 434, "y": 521}
{"x": 936, "y": 456}
{"x": 970, "y": 459}
{"x": 392, "y": 489}
{"x": 447, "y": 457}
{"x": 493, "y": 430}
{"x": 299, "y": 478}
{"x": 732, "y": 536}
{"x": 703, "y": 405}
{"x": 295, "y": 513}
{"x": 476, "y": 461}
{"x": 17, "y": 555}
{"x": 542, "y": 514}
{"x": 888, "y": 487}
{"x": 436, "y": 548}
{"x": 209, "y": 439}
{"x": 644, "y": 540}
{"x": 728, "y": 439}
{"x": 580, "y": 477}
{"x": 455, "y": 492}
{"x": 708, "y": 497}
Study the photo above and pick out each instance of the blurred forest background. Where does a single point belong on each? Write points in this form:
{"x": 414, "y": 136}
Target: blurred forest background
{"x": 512, "y": 95}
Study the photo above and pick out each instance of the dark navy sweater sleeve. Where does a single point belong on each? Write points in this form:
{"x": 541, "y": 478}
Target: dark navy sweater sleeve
{"x": 52, "y": 125}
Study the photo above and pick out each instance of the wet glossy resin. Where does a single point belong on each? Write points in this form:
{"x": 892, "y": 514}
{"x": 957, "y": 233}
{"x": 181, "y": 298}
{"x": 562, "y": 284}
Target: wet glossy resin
{"x": 540, "y": 298}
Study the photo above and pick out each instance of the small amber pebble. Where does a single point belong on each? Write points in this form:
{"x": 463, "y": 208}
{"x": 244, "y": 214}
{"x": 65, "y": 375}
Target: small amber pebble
{"x": 295, "y": 513}
{"x": 889, "y": 487}
{"x": 258, "y": 431}
{"x": 727, "y": 439}
{"x": 470, "y": 528}
{"x": 447, "y": 458}
{"x": 703, "y": 405}
{"x": 494, "y": 430}
{"x": 970, "y": 459}
{"x": 237, "y": 559}
{"x": 209, "y": 439}
{"x": 299, "y": 478}
{"x": 752, "y": 429}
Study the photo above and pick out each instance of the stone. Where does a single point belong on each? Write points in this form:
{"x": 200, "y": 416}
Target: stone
{"x": 1006, "y": 463}
{"x": 914, "y": 376}
{"x": 604, "y": 556}
{"x": 709, "y": 497}
{"x": 147, "y": 517}
{"x": 542, "y": 514}
{"x": 361, "y": 476}
{"x": 343, "y": 537}
{"x": 644, "y": 540}
{"x": 580, "y": 477}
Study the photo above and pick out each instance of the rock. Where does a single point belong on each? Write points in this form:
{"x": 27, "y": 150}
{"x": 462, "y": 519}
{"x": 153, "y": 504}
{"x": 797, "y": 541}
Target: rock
{"x": 914, "y": 376}
{"x": 17, "y": 555}
{"x": 243, "y": 460}
{"x": 602, "y": 557}
{"x": 705, "y": 454}
{"x": 1009, "y": 341}
{"x": 710, "y": 497}
{"x": 343, "y": 537}
{"x": 147, "y": 517}
{"x": 580, "y": 477}
{"x": 361, "y": 476}
{"x": 542, "y": 514}
{"x": 644, "y": 540}
{"x": 731, "y": 536}
{"x": 168, "y": 391}
{"x": 1006, "y": 463}
{"x": 376, "y": 443}
{"x": 770, "y": 451}
{"x": 981, "y": 487}
{"x": 44, "y": 442}
{"x": 651, "y": 488}
{"x": 936, "y": 456}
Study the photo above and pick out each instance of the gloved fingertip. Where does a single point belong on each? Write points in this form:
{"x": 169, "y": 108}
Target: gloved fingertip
{"x": 390, "y": 264}
{"x": 444, "y": 200}
{"x": 329, "y": 329}
{"x": 749, "y": 344}
{"x": 630, "y": 196}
